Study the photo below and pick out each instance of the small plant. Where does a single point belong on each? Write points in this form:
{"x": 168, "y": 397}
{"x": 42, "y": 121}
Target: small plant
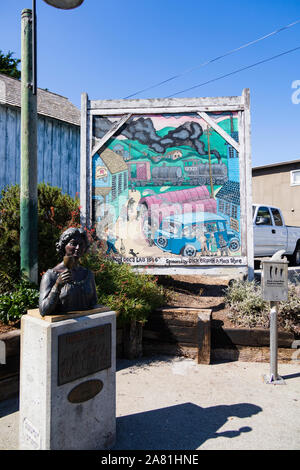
{"x": 248, "y": 309}
{"x": 16, "y": 303}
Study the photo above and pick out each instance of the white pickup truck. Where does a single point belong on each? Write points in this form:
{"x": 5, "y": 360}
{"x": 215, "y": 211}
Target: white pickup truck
{"x": 271, "y": 234}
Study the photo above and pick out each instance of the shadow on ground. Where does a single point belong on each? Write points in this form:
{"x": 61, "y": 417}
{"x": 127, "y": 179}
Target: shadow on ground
{"x": 180, "y": 427}
{"x": 9, "y": 406}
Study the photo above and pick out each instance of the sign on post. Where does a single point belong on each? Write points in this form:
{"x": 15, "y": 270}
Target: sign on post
{"x": 274, "y": 284}
{"x": 275, "y": 280}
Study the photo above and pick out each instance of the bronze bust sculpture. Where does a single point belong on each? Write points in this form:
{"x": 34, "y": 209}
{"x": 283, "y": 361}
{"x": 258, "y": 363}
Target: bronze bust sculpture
{"x": 68, "y": 286}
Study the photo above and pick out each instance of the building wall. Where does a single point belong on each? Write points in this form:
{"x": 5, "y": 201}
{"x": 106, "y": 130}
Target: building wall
{"x": 58, "y": 151}
{"x": 272, "y": 186}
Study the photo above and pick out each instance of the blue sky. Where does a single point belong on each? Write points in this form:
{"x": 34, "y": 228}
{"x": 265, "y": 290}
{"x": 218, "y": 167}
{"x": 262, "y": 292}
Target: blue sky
{"x": 113, "y": 49}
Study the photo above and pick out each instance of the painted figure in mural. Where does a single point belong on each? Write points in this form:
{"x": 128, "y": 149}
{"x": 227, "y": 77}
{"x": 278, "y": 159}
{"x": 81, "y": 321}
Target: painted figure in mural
{"x": 68, "y": 286}
{"x": 213, "y": 245}
{"x": 223, "y": 246}
{"x": 204, "y": 244}
{"x": 130, "y": 208}
{"x": 111, "y": 239}
{"x": 138, "y": 211}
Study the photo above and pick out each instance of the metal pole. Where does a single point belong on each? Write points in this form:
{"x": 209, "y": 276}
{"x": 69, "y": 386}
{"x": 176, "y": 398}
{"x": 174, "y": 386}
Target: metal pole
{"x": 28, "y": 195}
{"x": 274, "y": 377}
{"x": 273, "y": 341}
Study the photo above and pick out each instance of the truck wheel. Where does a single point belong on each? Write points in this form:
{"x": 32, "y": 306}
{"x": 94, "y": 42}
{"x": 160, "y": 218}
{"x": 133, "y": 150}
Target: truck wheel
{"x": 296, "y": 255}
{"x": 188, "y": 250}
{"x": 162, "y": 241}
{"x": 234, "y": 244}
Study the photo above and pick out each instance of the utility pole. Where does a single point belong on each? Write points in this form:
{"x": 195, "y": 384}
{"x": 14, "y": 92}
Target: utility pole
{"x": 208, "y": 133}
{"x": 28, "y": 195}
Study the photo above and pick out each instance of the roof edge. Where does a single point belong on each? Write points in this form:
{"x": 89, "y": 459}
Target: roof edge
{"x": 271, "y": 165}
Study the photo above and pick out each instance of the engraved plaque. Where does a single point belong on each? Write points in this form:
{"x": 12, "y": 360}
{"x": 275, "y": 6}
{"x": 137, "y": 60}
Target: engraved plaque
{"x": 85, "y": 391}
{"x": 83, "y": 353}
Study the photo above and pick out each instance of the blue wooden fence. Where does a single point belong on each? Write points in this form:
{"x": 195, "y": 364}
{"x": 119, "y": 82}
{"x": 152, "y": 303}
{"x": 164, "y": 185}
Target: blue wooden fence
{"x": 58, "y": 151}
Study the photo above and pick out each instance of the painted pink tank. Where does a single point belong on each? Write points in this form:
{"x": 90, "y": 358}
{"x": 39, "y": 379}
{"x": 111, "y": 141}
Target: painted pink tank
{"x": 181, "y": 196}
{"x": 178, "y": 202}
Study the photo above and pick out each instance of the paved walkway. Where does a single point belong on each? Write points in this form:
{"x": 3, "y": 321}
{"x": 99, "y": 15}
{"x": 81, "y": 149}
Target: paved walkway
{"x": 174, "y": 404}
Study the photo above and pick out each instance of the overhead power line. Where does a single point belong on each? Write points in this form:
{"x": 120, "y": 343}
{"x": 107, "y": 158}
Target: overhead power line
{"x": 232, "y": 51}
{"x": 235, "y": 71}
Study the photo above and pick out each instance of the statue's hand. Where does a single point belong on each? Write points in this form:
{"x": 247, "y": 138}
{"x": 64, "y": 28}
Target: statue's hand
{"x": 63, "y": 278}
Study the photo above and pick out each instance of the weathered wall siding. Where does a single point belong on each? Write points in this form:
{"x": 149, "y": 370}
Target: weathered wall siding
{"x": 9, "y": 145}
{"x": 58, "y": 151}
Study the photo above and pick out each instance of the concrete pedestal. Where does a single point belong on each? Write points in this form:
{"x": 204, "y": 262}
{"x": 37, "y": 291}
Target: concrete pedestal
{"x": 67, "y": 381}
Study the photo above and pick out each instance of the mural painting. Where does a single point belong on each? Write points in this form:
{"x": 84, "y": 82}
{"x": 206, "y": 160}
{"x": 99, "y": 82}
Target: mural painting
{"x": 166, "y": 187}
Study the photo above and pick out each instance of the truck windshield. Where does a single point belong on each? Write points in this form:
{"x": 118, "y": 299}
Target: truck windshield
{"x": 263, "y": 216}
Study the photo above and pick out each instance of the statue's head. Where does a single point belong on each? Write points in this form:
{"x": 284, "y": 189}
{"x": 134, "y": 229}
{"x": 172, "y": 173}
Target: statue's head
{"x": 73, "y": 242}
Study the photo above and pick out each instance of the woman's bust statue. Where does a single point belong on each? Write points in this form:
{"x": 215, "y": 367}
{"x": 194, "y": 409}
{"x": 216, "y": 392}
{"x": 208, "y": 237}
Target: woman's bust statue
{"x": 68, "y": 286}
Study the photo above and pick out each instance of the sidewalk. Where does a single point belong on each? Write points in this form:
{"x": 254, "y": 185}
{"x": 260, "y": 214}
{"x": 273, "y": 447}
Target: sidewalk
{"x": 175, "y": 404}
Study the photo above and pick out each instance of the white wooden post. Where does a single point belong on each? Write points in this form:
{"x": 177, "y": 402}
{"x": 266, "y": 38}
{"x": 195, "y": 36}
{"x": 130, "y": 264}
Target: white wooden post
{"x": 84, "y": 162}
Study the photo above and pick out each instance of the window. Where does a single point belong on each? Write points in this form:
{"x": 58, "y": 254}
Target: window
{"x": 221, "y": 207}
{"x": 231, "y": 152}
{"x": 234, "y": 211}
{"x": 125, "y": 181}
{"x": 227, "y": 208}
{"x": 295, "y": 177}
{"x": 113, "y": 188}
{"x": 277, "y": 217}
{"x": 263, "y": 216}
{"x": 120, "y": 180}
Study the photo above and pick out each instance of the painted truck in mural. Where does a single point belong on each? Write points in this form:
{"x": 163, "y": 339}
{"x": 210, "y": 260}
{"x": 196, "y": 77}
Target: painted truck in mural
{"x": 271, "y": 234}
{"x": 200, "y": 232}
{"x": 167, "y": 184}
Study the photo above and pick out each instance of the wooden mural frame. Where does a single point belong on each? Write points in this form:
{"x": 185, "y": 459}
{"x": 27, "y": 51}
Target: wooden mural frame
{"x": 124, "y": 110}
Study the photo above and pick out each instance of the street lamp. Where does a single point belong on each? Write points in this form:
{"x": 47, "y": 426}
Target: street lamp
{"x": 64, "y": 4}
{"x": 28, "y": 193}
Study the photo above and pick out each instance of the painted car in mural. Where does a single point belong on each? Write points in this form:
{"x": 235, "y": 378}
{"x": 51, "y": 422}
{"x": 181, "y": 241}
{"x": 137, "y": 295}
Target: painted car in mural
{"x": 189, "y": 233}
{"x": 156, "y": 169}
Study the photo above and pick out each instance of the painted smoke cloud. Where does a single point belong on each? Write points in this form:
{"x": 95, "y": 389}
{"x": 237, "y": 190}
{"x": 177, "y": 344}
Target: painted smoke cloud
{"x": 142, "y": 130}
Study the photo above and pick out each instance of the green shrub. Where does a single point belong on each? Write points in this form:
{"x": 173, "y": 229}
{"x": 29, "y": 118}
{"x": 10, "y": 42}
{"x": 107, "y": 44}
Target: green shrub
{"x": 16, "y": 303}
{"x": 133, "y": 296}
{"x": 289, "y": 311}
{"x": 56, "y": 212}
{"x": 248, "y": 309}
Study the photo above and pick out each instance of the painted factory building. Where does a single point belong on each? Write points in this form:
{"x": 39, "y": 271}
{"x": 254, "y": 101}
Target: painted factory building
{"x": 110, "y": 188}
